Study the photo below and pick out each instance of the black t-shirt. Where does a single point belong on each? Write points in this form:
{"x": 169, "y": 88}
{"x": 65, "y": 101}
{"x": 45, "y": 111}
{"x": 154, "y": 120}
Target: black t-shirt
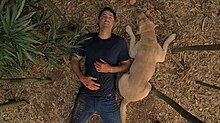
{"x": 112, "y": 50}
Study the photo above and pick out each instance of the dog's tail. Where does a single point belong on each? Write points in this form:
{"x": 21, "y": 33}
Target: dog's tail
{"x": 123, "y": 110}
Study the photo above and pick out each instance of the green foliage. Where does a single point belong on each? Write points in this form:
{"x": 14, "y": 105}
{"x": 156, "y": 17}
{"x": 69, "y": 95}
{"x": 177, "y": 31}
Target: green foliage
{"x": 17, "y": 45}
{"x": 27, "y": 32}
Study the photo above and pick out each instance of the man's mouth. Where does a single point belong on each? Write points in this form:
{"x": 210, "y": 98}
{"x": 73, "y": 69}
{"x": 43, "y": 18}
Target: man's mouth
{"x": 106, "y": 22}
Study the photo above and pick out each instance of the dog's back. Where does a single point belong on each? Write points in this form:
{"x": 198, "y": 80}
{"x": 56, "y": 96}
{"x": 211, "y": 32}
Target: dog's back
{"x": 134, "y": 86}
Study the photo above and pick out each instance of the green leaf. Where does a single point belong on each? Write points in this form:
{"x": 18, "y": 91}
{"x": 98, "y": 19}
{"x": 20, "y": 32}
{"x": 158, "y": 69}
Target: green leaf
{"x": 36, "y": 52}
{"x": 2, "y": 5}
{"x": 19, "y": 56}
{"x": 23, "y": 23}
{"x": 25, "y": 17}
{"x": 39, "y": 35}
{"x": 56, "y": 10}
{"x": 7, "y": 16}
{"x": 9, "y": 59}
{"x": 14, "y": 13}
{"x": 5, "y": 26}
{"x": 28, "y": 55}
{"x": 9, "y": 52}
{"x": 20, "y": 9}
{"x": 29, "y": 39}
{"x": 29, "y": 28}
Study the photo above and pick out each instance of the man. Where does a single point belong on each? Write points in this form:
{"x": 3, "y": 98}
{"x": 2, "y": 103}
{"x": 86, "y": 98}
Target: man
{"x": 106, "y": 55}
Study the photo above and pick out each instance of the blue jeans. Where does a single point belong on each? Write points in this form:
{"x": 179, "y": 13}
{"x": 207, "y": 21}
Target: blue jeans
{"x": 105, "y": 106}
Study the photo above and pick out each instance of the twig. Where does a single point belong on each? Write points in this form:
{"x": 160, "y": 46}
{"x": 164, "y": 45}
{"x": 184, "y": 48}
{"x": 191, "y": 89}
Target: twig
{"x": 177, "y": 62}
{"x": 207, "y": 85}
{"x": 12, "y": 104}
{"x": 203, "y": 23}
{"x": 46, "y": 79}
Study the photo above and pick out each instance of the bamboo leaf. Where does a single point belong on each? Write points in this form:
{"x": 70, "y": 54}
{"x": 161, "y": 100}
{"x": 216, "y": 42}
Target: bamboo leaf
{"x": 188, "y": 116}
{"x": 12, "y": 104}
{"x": 207, "y": 85}
{"x": 2, "y": 5}
{"x": 20, "y": 9}
{"x": 197, "y": 47}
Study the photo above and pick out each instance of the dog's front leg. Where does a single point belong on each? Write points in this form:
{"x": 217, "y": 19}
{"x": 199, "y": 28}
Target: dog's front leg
{"x": 133, "y": 48}
{"x": 165, "y": 47}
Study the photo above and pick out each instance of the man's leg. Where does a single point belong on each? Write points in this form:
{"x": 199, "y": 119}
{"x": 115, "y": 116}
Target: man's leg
{"x": 83, "y": 109}
{"x": 108, "y": 109}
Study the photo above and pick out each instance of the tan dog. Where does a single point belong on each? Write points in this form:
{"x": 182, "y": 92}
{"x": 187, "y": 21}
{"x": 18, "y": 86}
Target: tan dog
{"x": 134, "y": 86}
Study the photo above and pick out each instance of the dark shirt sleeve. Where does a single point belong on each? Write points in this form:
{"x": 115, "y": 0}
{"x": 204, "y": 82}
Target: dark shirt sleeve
{"x": 124, "y": 53}
{"x": 81, "y": 51}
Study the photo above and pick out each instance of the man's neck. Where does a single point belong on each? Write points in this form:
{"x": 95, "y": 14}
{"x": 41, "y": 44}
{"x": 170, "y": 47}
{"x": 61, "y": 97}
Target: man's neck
{"x": 105, "y": 34}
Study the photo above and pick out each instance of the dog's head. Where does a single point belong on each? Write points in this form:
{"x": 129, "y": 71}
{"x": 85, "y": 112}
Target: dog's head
{"x": 144, "y": 23}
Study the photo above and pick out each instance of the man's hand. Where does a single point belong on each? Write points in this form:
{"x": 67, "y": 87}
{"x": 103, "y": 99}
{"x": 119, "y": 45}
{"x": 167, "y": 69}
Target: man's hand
{"x": 103, "y": 66}
{"x": 89, "y": 83}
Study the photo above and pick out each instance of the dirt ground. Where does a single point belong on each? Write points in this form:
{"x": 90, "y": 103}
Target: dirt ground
{"x": 196, "y": 22}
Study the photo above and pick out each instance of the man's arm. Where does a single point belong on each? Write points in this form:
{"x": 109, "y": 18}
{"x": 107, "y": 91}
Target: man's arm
{"x": 104, "y": 67}
{"x": 75, "y": 65}
{"x": 86, "y": 80}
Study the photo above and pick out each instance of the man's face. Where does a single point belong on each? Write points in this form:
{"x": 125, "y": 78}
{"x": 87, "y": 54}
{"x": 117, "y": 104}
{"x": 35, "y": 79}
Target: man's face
{"x": 106, "y": 20}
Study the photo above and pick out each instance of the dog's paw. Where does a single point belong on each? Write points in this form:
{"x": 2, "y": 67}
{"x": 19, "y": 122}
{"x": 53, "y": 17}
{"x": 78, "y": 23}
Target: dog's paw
{"x": 172, "y": 37}
{"x": 128, "y": 29}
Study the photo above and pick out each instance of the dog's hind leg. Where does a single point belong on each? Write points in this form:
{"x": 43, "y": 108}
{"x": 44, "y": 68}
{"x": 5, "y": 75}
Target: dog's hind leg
{"x": 123, "y": 110}
{"x": 133, "y": 47}
{"x": 165, "y": 47}
{"x": 123, "y": 86}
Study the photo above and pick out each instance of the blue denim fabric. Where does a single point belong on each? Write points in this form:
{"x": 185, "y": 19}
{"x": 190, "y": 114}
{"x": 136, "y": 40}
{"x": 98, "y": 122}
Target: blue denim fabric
{"x": 105, "y": 106}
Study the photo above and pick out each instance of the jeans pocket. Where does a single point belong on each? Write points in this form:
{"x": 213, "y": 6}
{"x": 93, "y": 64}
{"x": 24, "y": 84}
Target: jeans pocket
{"x": 108, "y": 104}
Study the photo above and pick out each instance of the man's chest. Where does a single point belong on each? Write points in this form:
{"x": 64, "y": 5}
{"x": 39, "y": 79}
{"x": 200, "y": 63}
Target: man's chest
{"x": 107, "y": 51}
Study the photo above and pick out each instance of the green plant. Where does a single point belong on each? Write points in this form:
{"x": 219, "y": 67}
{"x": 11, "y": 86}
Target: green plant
{"x": 28, "y": 31}
{"x": 16, "y": 42}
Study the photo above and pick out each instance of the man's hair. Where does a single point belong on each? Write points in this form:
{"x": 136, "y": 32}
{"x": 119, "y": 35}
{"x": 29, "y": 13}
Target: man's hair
{"x": 107, "y": 9}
